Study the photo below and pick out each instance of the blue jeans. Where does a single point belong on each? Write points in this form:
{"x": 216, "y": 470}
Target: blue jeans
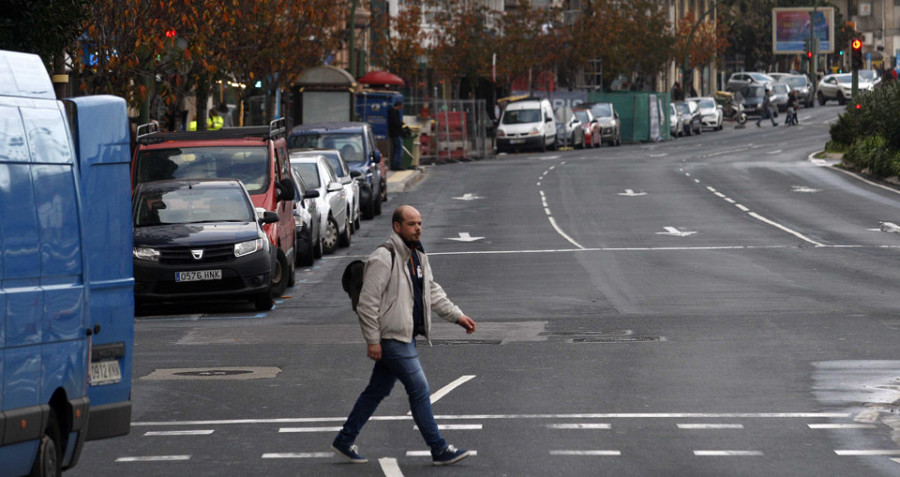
{"x": 396, "y": 153}
{"x": 399, "y": 360}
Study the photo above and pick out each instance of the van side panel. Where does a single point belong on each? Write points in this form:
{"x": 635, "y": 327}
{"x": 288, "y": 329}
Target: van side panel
{"x": 104, "y": 160}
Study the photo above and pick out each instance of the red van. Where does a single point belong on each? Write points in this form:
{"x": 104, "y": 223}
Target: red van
{"x": 256, "y": 155}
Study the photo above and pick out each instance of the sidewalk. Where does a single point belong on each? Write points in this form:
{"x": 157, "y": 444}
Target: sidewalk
{"x": 401, "y": 181}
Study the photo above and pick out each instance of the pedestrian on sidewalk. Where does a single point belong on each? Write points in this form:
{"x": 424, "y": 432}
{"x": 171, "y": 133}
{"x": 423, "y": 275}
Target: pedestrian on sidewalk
{"x": 394, "y": 307}
{"x": 395, "y": 133}
{"x": 767, "y": 107}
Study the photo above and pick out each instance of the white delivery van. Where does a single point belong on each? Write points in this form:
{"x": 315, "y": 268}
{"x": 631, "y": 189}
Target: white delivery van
{"x": 527, "y": 124}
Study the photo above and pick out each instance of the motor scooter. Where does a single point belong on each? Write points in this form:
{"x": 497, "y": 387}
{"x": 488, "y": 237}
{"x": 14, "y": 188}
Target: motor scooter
{"x": 734, "y": 111}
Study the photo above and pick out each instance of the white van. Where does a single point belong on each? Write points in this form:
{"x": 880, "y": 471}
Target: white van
{"x": 527, "y": 124}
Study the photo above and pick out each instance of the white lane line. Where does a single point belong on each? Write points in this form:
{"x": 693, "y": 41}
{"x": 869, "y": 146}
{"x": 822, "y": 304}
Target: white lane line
{"x": 482, "y": 417}
{"x": 727, "y": 453}
{"x": 154, "y": 458}
{"x": 297, "y": 455}
{"x": 896, "y": 460}
{"x": 721, "y": 195}
{"x": 450, "y": 387}
{"x": 547, "y": 211}
{"x": 711, "y": 189}
{"x": 710, "y": 426}
{"x": 782, "y": 227}
{"x": 455, "y": 427}
{"x": 390, "y": 467}
{"x": 729, "y": 200}
{"x": 869, "y": 452}
{"x": 564, "y": 235}
{"x": 308, "y": 429}
{"x": 843, "y": 426}
{"x": 203, "y": 432}
{"x": 610, "y": 453}
{"x": 426, "y": 453}
{"x": 583, "y": 425}
{"x": 739, "y": 206}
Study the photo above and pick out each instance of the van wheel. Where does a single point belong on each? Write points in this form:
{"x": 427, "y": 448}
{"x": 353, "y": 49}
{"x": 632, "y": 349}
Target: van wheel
{"x": 263, "y": 302}
{"x": 47, "y": 463}
{"x": 280, "y": 275}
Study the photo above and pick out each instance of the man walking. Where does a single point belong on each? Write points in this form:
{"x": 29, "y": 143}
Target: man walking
{"x": 395, "y": 306}
{"x": 767, "y": 106}
{"x": 395, "y": 133}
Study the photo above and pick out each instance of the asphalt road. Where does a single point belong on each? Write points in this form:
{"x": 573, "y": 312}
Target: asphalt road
{"x": 714, "y": 305}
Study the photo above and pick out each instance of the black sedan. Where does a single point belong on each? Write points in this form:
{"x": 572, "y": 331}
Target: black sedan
{"x": 199, "y": 239}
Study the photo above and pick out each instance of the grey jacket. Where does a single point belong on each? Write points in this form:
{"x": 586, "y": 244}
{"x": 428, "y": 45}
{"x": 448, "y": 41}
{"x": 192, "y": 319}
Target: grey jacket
{"x": 385, "y": 306}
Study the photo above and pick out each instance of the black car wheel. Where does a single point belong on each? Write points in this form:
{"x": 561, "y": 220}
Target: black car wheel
{"x": 280, "y": 275}
{"x": 47, "y": 463}
{"x": 263, "y": 302}
{"x": 330, "y": 240}
{"x": 382, "y": 197}
{"x": 821, "y": 97}
{"x": 344, "y": 239}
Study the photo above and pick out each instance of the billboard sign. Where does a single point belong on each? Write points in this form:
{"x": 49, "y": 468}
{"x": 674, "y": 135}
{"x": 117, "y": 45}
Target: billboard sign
{"x": 790, "y": 29}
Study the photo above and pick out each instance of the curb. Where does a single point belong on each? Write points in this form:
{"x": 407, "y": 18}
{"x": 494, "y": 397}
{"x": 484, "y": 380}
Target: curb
{"x": 402, "y": 181}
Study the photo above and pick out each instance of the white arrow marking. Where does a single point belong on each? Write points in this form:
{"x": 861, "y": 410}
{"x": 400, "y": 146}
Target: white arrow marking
{"x": 797, "y": 188}
{"x": 465, "y": 237}
{"x": 468, "y": 197}
{"x": 675, "y": 232}
{"x": 631, "y": 193}
{"x": 777, "y": 151}
{"x": 889, "y": 227}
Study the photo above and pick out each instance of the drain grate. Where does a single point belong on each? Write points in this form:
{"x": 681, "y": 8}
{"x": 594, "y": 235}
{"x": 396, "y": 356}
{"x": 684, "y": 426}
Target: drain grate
{"x": 464, "y": 342}
{"x": 214, "y": 372}
{"x": 617, "y": 339}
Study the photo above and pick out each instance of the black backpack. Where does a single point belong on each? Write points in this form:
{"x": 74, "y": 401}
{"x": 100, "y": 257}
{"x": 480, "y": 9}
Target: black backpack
{"x": 352, "y": 280}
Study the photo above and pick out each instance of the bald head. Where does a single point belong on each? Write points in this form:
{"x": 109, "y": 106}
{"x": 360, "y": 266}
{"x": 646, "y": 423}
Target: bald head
{"x": 407, "y": 222}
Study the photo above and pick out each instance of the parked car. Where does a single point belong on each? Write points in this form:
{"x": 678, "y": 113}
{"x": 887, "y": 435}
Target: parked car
{"x": 608, "y": 119}
{"x": 570, "y": 128}
{"x": 318, "y": 174}
{"x": 780, "y": 96}
{"x": 738, "y": 80}
{"x": 711, "y": 114}
{"x": 307, "y": 223}
{"x": 839, "y": 87}
{"x": 527, "y": 124}
{"x": 690, "y": 113}
{"x": 752, "y": 99}
{"x": 342, "y": 170}
{"x": 356, "y": 142}
{"x": 676, "y": 124}
{"x": 257, "y": 156}
{"x": 800, "y": 84}
{"x": 590, "y": 136}
{"x": 200, "y": 238}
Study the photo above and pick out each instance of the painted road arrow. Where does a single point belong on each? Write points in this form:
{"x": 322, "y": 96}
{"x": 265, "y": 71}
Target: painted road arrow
{"x": 468, "y": 197}
{"x": 631, "y": 193}
{"x": 675, "y": 232}
{"x": 797, "y": 188}
{"x": 465, "y": 237}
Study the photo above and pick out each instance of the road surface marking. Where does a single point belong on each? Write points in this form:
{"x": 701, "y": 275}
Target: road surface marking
{"x": 854, "y": 452}
{"x": 611, "y": 453}
{"x": 297, "y": 455}
{"x": 842, "y": 426}
{"x": 309, "y": 429}
{"x": 579, "y": 426}
{"x": 727, "y": 453}
{"x": 426, "y": 453}
{"x": 786, "y": 229}
{"x": 739, "y": 206}
{"x": 446, "y": 389}
{"x": 203, "y": 432}
{"x": 455, "y": 427}
{"x": 154, "y": 458}
{"x": 564, "y": 235}
{"x": 710, "y": 426}
{"x": 390, "y": 467}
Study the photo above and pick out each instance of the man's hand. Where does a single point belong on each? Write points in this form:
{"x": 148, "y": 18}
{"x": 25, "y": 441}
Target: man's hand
{"x": 466, "y": 323}
{"x": 374, "y": 352}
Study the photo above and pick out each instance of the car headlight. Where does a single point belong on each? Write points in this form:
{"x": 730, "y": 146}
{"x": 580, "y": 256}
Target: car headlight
{"x": 501, "y": 133}
{"x": 535, "y": 132}
{"x": 146, "y": 253}
{"x": 246, "y": 248}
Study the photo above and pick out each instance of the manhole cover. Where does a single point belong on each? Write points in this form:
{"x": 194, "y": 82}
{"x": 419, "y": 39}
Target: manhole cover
{"x": 214, "y": 372}
{"x": 617, "y": 339}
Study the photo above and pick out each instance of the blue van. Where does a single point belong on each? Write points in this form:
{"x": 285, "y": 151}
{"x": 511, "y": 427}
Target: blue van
{"x": 66, "y": 300}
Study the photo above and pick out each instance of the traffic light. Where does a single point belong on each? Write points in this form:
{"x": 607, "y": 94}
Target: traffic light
{"x": 856, "y": 59}
{"x": 171, "y": 33}
{"x": 808, "y": 55}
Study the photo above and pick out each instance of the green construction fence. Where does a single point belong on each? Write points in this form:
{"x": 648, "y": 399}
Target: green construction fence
{"x": 636, "y": 114}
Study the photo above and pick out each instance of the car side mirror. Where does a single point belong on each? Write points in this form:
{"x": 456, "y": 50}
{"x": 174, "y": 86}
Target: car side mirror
{"x": 285, "y": 190}
{"x": 268, "y": 217}
{"x": 311, "y": 194}
{"x": 334, "y": 186}
{"x": 355, "y": 174}
{"x": 548, "y": 119}
{"x": 376, "y": 157}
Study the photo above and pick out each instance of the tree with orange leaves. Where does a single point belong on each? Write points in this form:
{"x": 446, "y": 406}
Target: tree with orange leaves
{"x": 400, "y": 41}
{"x": 461, "y": 42}
{"x": 706, "y": 44}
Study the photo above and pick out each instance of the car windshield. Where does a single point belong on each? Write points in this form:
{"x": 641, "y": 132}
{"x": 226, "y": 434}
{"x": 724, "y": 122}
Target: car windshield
{"x": 796, "y": 81}
{"x": 780, "y": 88}
{"x": 582, "y": 116}
{"x": 759, "y": 77}
{"x": 309, "y": 172}
{"x": 350, "y": 144}
{"x": 684, "y": 108}
{"x": 192, "y": 205}
{"x": 868, "y": 75}
{"x": 332, "y": 159}
{"x": 707, "y": 103}
{"x": 521, "y": 116}
{"x": 754, "y": 92}
{"x": 248, "y": 164}
{"x": 603, "y": 110}
{"x": 845, "y": 78}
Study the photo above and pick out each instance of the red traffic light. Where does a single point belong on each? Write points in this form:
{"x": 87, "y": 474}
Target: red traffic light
{"x": 809, "y": 54}
{"x": 856, "y": 44}
{"x": 171, "y": 33}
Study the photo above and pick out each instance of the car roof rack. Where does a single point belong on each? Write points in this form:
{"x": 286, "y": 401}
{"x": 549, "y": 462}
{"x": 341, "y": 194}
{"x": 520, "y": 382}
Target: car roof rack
{"x": 149, "y": 133}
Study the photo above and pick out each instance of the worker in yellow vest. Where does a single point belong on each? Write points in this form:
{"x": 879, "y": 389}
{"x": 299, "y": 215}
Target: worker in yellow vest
{"x": 213, "y": 122}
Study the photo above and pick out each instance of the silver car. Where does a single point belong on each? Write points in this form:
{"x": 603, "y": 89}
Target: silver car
{"x": 711, "y": 115}
{"x": 318, "y": 174}
{"x": 610, "y": 126}
{"x": 780, "y": 96}
{"x": 342, "y": 170}
{"x": 744, "y": 78}
{"x": 839, "y": 87}
{"x": 800, "y": 84}
{"x": 676, "y": 124}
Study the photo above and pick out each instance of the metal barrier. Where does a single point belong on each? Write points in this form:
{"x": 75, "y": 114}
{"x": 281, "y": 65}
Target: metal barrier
{"x": 451, "y": 130}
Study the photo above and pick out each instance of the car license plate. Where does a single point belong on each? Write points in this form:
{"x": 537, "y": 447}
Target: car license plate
{"x": 198, "y": 275}
{"x": 516, "y": 141}
{"x": 105, "y": 372}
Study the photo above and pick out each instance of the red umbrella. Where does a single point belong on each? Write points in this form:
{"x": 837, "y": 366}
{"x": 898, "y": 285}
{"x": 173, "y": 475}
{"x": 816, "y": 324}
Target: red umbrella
{"x": 381, "y": 77}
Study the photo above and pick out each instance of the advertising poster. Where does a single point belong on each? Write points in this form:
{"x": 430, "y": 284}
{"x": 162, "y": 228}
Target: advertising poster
{"x": 791, "y": 29}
